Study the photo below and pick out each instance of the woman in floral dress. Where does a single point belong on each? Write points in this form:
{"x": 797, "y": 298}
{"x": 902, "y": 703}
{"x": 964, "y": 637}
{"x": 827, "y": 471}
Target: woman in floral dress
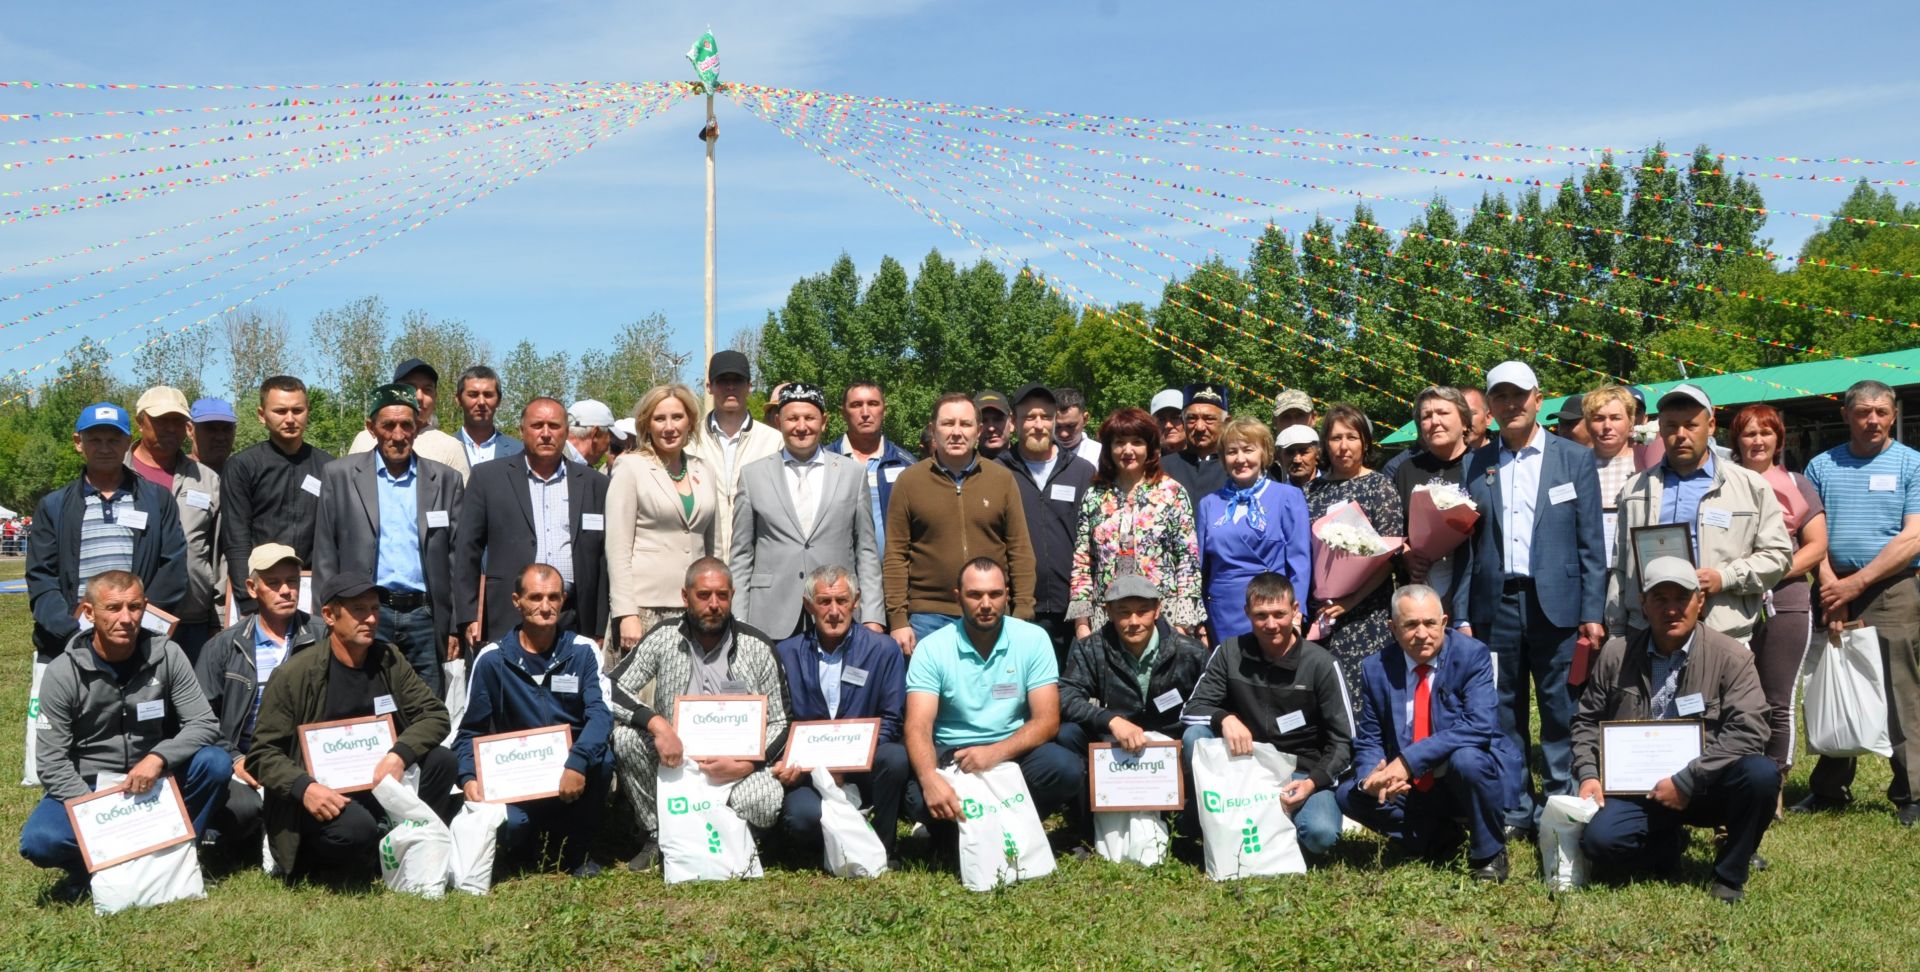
{"x": 1135, "y": 519}
{"x": 1358, "y": 623}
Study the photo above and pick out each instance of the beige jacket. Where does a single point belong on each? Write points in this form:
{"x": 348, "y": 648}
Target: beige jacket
{"x": 650, "y": 540}
{"x": 757, "y": 440}
{"x": 1741, "y": 532}
{"x": 196, "y": 492}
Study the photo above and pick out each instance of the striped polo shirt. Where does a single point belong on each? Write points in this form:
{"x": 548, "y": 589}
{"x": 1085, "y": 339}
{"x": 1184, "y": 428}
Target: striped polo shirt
{"x": 1866, "y": 500}
{"x": 105, "y": 544}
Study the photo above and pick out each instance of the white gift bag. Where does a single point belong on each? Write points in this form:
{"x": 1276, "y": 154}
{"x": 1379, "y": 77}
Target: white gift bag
{"x": 413, "y": 855}
{"x": 1243, "y": 826}
{"x": 32, "y": 775}
{"x": 852, "y": 848}
{"x": 1001, "y": 838}
{"x": 475, "y": 833}
{"x": 1562, "y": 863}
{"x": 1847, "y": 696}
{"x": 154, "y": 879}
{"x": 701, "y": 838}
{"x": 1131, "y": 837}
{"x": 454, "y": 675}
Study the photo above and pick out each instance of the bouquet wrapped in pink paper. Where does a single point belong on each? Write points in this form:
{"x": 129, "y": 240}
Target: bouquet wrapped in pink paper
{"x": 1440, "y": 518}
{"x": 1346, "y": 548}
{"x": 1648, "y": 449}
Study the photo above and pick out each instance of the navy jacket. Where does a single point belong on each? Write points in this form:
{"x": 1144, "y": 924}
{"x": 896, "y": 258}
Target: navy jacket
{"x": 1053, "y": 521}
{"x": 1463, "y": 704}
{"x": 893, "y": 461}
{"x": 53, "y": 557}
{"x": 1568, "y": 553}
{"x": 504, "y": 695}
{"x": 883, "y": 697}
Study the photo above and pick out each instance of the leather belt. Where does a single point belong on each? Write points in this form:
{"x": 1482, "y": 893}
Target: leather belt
{"x": 1513, "y": 585}
{"x": 403, "y": 600}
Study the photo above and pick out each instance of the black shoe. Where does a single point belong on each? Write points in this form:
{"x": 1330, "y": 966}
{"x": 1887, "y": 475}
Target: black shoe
{"x": 1757, "y": 863}
{"x": 1726, "y": 892}
{"x": 71, "y": 889}
{"x": 588, "y": 868}
{"x": 1908, "y": 815}
{"x": 893, "y": 863}
{"x": 1493, "y": 869}
{"x": 1817, "y": 803}
{"x": 645, "y": 860}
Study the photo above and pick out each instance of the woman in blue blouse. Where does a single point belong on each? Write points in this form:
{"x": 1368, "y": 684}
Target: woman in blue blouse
{"x": 1247, "y": 527}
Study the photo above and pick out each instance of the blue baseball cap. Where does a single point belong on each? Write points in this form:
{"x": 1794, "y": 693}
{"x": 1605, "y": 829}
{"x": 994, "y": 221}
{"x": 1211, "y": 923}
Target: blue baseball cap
{"x": 103, "y": 413}
{"x": 213, "y": 410}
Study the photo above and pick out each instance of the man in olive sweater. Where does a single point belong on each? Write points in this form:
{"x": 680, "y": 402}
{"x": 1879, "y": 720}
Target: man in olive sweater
{"x": 944, "y": 512}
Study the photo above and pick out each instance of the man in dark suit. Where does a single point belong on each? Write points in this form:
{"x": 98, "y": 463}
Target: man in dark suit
{"x": 536, "y": 507}
{"x": 1425, "y": 749}
{"x": 801, "y": 508}
{"x": 1536, "y": 578}
{"x": 388, "y": 514}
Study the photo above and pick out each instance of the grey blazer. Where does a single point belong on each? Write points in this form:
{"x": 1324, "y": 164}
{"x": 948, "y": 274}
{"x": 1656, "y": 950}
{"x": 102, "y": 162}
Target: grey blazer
{"x": 771, "y": 556}
{"x": 346, "y": 536}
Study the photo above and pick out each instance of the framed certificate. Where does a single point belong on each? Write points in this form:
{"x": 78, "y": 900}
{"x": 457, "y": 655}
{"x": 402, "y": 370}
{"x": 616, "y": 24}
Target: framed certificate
{"x": 1636, "y": 755}
{"x": 341, "y": 754}
{"x": 114, "y": 825}
{"x": 1661, "y": 540}
{"x": 721, "y": 726}
{"x": 842, "y": 745}
{"x": 1118, "y": 779}
{"x": 524, "y": 765}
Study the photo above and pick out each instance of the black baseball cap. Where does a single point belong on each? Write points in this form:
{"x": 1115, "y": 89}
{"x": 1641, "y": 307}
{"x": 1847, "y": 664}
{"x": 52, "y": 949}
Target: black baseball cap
{"x": 994, "y": 400}
{"x": 728, "y": 363}
{"x": 412, "y": 365}
{"x": 1025, "y": 392}
{"x": 340, "y": 587}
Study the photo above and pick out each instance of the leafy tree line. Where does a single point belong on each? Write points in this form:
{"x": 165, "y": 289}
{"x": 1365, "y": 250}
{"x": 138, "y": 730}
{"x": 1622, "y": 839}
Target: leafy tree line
{"x": 1629, "y": 271}
{"x": 349, "y": 351}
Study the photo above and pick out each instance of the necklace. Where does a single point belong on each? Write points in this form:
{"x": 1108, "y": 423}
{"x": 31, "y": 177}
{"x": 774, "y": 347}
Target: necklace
{"x": 678, "y": 476}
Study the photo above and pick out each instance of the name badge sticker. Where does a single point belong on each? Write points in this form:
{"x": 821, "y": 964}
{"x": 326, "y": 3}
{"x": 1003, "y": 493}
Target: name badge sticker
{"x": 1716, "y": 518}
{"x": 311, "y": 485}
{"x": 593, "y": 521}
{"x": 1006, "y": 690}
{"x": 1062, "y": 492}
{"x": 1688, "y": 705}
{"x": 383, "y": 704}
{"x": 199, "y": 500}
{"x": 134, "y": 519}
{"x": 1291, "y": 721}
{"x": 1883, "y": 484}
{"x": 852, "y": 675}
{"x": 893, "y": 472}
{"x": 567, "y": 683}
{"x": 1166, "y": 700}
{"x": 436, "y": 519}
{"x": 1560, "y": 494}
{"x": 155, "y": 709}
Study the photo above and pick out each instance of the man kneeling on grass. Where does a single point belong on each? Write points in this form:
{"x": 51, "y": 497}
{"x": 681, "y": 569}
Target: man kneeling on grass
{"x": 539, "y": 676}
{"x": 981, "y": 693}
{"x": 311, "y": 826}
{"x": 1679, "y": 669}
{"x": 118, "y": 699}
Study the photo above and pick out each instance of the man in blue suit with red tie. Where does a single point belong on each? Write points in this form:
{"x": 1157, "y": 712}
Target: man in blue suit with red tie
{"x": 1536, "y": 579}
{"x": 1426, "y": 748}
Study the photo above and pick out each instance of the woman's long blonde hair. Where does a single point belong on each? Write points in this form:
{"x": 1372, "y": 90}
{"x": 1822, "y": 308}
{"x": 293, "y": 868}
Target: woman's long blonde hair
{"x": 650, "y": 402}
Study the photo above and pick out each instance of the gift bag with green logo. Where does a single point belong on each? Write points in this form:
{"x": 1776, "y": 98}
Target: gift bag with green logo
{"x": 1243, "y": 825}
{"x": 701, "y": 838}
{"x": 413, "y": 855}
{"x": 852, "y": 848}
{"x": 1001, "y": 838}
{"x": 32, "y": 775}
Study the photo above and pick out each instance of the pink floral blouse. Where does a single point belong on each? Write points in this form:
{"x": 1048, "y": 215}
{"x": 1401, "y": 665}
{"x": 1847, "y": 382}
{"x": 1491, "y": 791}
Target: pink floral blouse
{"x": 1154, "y": 525}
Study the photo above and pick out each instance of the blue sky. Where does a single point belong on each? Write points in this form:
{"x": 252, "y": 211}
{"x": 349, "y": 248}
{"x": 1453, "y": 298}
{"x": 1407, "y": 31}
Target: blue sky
{"x": 614, "y": 233}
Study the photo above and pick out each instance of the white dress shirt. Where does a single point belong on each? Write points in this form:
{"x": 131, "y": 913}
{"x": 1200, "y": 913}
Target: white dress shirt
{"x": 1519, "y": 475}
{"x": 806, "y": 503}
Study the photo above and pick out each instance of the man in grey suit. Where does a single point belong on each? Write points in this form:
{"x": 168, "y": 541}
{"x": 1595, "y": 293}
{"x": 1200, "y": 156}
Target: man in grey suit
{"x": 800, "y": 508}
{"x": 388, "y": 514}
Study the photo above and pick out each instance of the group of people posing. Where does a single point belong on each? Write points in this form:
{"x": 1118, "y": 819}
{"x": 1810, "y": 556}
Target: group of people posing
{"x": 1023, "y": 590}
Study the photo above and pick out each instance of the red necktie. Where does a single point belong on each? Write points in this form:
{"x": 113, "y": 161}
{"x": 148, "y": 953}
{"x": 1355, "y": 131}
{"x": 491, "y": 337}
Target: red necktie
{"x": 1423, "y": 717}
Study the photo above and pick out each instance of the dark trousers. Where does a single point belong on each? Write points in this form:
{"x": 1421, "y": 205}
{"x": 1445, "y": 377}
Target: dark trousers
{"x": 1628, "y": 832}
{"x": 1055, "y": 778}
{"x": 236, "y": 818}
{"x": 47, "y": 838}
{"x": 1471, "y": 785}
{"x": 569, "y": 828}
{"x": 1528, "y": 647}
{"x": 348, "y": 840}
{"x": 1059, "y": 630}
{"x": 191, "y": 635}
{"x": 413, "y": 632}
{"x": 884, "y": 788}
{"x": 1892, "y": 608}
{"x": 1779, "y": 646}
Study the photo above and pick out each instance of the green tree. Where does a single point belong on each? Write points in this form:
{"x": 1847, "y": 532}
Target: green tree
{"x": 526, "y": 374}
{"x": 640, "y": 357}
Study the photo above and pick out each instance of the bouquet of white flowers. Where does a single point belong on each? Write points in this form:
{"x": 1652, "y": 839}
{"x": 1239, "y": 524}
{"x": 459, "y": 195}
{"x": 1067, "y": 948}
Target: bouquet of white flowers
{"x": 1346, "y": 549}
{"x": 1440, "y": 517}
{"x": 1648, "y": 449}
{"x": 1349, "y": 539}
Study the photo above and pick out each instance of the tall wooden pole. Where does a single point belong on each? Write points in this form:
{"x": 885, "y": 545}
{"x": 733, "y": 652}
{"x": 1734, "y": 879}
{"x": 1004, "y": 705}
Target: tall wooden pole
{"x": 713, "y": 135}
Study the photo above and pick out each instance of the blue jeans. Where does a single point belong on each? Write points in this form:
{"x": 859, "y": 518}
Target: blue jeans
{"x": 1317, "y": 820}
{"x": 413, "y": 632}
{"x": 1525, "y": 646}
{"x": 47, "y": 838}
{"x": 884, "y": 788}
{"x": 569, "y": 827}
{"x": 1472, "y": 785}
{"x": 925, "y": 623}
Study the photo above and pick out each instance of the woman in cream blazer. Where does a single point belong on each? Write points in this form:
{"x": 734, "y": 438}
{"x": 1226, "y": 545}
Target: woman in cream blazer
{"x": 660, "y": 515}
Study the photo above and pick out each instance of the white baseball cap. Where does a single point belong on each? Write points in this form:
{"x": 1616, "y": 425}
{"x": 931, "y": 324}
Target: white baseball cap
{"x": 625, "y": 428}
{"x": 1689, "y": 392}
{"x": 1670, "y": 570}
{"x": 1297, "y": 435}
{"x": 1168, "y": 398}
{"x": 1515, "y": 373}
{"x": 590, "y": 413}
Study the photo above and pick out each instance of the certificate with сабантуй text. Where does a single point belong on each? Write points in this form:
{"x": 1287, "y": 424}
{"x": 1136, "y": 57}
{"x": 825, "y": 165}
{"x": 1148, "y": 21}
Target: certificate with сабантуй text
{"x": 116, "y": 825}
{"x": 1634, "y": 756}
{"x": 525, "y": 765}
{"x": 341, "y": 755}
{"x": 838, "y": 745}
{"x": 1120, "y": 779}
{"x": 721, "y": 726}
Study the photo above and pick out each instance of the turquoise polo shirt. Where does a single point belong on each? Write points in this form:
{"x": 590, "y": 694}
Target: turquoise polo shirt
{"x": 982, "y": 700}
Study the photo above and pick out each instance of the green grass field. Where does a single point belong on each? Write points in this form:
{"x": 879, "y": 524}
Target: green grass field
{"x": 1842, "y": 893}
